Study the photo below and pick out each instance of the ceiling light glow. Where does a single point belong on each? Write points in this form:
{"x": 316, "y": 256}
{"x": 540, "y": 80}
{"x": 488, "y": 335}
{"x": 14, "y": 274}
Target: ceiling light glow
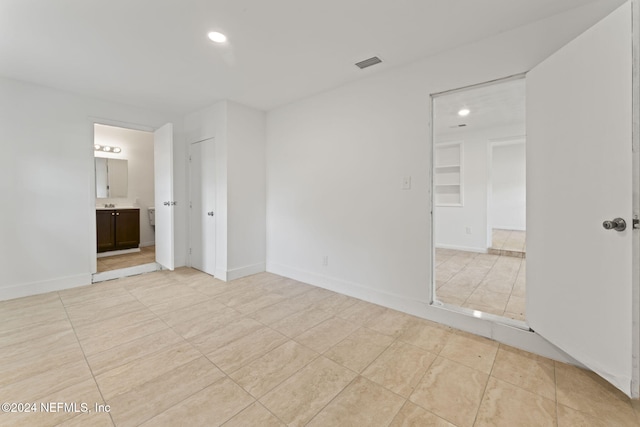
{"x": 217, "y": 37}
{"x": 464, "y": 112}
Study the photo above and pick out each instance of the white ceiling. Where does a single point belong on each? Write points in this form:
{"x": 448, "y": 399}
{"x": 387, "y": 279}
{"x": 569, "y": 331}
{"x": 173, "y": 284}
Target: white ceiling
{"x": 491, "y": 106}
{"x": 155, "y": 54}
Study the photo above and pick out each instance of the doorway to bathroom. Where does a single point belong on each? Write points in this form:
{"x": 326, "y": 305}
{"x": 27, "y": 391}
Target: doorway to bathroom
{"x": 125, "y": 201}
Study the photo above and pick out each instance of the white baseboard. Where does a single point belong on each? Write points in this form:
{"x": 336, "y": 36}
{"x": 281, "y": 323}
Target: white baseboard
{"x": 508, "y": 228}
{"x": 248, "y": 270}
{"x": 120, "y": 252}
{"x": 220, "y": 274}
{"x": 462, "y": 248}
{"x": 489, "y": 326}
{"x": 35, "y": 288}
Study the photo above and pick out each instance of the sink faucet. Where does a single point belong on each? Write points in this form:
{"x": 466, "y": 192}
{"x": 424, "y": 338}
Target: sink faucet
{"x": 110, "y": 205}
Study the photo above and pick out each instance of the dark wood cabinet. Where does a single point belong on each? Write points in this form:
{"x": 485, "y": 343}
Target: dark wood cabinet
{"x": 117, "y": 229}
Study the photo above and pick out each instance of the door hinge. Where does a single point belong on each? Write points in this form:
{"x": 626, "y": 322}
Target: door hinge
{"x": 636, "y": 222}
{"x": 190, "y": 205}
{"x": 189, "y": 158}
{"x": 189, "y": 251}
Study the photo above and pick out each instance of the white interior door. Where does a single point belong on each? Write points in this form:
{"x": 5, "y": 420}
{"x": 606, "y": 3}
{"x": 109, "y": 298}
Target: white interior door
{"x": 202, "y": 206}
{"x": 164, "y": 202}
{"x": 579, "y": 174}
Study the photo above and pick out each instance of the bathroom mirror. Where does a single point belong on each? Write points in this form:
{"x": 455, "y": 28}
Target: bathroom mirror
{"x": 111, "y": 177}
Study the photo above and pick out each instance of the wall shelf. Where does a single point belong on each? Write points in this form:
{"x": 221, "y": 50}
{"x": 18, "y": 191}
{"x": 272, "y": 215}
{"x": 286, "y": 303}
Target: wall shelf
{"x": 447, "y": 175}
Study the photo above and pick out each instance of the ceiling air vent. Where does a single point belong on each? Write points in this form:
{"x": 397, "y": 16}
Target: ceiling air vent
{"x": 369, "y": 62}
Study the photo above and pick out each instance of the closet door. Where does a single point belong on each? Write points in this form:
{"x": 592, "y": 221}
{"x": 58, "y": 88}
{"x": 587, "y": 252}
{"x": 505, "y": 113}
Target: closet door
{"x": 202, "y": 206}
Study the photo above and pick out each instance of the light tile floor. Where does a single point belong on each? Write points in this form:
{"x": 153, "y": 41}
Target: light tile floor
{"x": 146, "y": 255}
{"x": 493, "y": 284}
{"x": 508, "y": 242}
{"x": 183, "y": 348}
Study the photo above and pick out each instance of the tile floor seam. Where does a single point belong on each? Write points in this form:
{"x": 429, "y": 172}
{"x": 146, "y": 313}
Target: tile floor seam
{"x": 86, "y": 361}
{"x": 198, "y": 391}
{"x": 479, "y": 285}
{"x": 475, "y": 288}
{"x": 484, "y": 392}
{"x": 317, "y": 356}
{"x": 146, "y": 355}
{"x": 332, "y": 399}
{"x": 396, "y": 340}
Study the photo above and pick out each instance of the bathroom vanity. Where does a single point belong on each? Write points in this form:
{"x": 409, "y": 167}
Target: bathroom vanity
{"x": 117, "y": 228}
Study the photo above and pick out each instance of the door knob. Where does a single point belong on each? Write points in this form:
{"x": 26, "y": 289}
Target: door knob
{"x": 210, "y": 213}
{"x": 617, "y": 224}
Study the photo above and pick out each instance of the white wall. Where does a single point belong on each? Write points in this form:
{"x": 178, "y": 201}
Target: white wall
{"x": 46, "y": 179}
{"x": 246, "y": 190}
{"x": 137, "y": 149}
{"x": 239, "y": 134}
{"x": 508, "y": 178}
{"x": 335, "y": 163}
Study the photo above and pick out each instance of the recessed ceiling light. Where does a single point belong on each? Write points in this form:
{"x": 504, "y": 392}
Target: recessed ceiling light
{"x": 464, "y": 112}
{"x": 217, "y": 37}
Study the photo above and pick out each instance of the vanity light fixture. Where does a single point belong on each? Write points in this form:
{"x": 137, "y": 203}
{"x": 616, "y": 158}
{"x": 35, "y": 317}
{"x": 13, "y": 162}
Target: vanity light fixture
{"x": 464, "y": 112}
{"x": 106, "y": 148}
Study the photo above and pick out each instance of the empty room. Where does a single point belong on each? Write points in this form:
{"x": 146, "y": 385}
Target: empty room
{"x": 356, "y": 213}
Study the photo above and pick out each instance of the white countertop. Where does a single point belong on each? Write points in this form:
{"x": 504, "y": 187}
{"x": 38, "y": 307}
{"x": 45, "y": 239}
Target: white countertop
{"x": 102, "y": 208}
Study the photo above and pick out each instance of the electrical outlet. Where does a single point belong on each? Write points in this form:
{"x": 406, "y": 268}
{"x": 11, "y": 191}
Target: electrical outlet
{"x": 468, "y": 230}
{"x": 325, "y": 261}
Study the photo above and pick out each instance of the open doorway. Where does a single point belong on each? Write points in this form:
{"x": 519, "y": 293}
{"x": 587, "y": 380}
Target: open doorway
{"x": 125, "y": 202}
{"x": 480, "y": 197}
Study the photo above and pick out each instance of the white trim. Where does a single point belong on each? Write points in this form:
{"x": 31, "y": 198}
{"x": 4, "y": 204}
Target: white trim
{"x": 635, "y": 251}
{"x": 125, "y": 272}
{"x": 220, "y": 274}
{"x": 506, "y": 331}
{"x": 44, "y": 286}
{"x": 508, "y": 228}
{"x": 462, "y": 248}
{"x": 248, "y": 270}
{"x": 114, "y": 253}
